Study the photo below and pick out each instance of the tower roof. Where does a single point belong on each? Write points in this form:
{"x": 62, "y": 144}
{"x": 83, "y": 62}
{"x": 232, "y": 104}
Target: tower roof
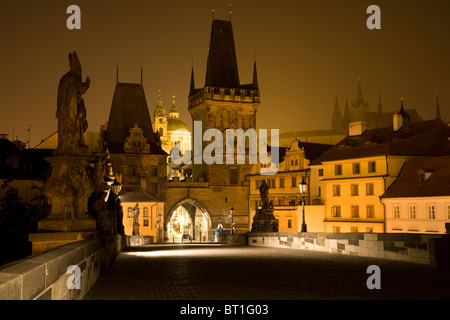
{"x": 159, "y": 110}
{"x": 129, "y": 107}
{"x": 222, "y": 69}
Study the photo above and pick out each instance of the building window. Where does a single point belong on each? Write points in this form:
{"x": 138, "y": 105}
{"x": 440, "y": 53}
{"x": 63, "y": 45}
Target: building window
{"x": 336, "y": 211}
{"x": 154, "y": 188}
{"x": 320, "y": 173}
{"x": 281, "y": 182}
{"x": 370, "y": 211}
{"x": 234, "y": 177}
{"x": 372, "y": 166}
{"x": 146, "y": 212}
{"x": 355, "y": 211}
{"x": 448, "y": 212}
{"x": 396, "y": 211}
{"x": 336, "y": 229}
{"x": 412, "y": 212}
{"x": 431, "y": 211}
{"x": 154, "y": 172}
{"x": 319, "y": 192}
{"x": 356, "y": 168}
{"x": 271, "y": 183}
{"x": 369, "y": 230}
{"x": 289, "y": 224}
{"x": 369, "y": 189}
{"x": 145, "y": 222}
{"x": 338, "y": 170}
{"x": 354, "y": 229}
{"x": 294, "y": 182}
{"x": 130, "y": 212}
{"x": 354, "y": 190}
{"x": 337, "y": 190}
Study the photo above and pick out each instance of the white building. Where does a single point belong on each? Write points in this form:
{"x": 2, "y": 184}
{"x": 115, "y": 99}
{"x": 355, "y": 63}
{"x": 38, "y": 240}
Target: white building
{"x": 419, "y": 199}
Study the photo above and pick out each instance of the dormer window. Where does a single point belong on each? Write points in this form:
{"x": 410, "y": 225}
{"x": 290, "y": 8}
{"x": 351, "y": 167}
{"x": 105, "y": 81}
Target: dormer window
{"x": 424, "y": 175}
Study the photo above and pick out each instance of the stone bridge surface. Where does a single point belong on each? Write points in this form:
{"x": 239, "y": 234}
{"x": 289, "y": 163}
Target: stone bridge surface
{"x": 222, "y": 272}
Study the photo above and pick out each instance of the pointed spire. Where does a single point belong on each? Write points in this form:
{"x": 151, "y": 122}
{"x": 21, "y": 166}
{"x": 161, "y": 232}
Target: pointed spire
{"x": 380, "y": 106}
{"x": 359, "y": 95}
{"x": 142, "y": 76}
{"x": 192, "y": 90}
{"x": 336, "y": 121}
{"x": 159, "y": 110}
{"x": 221, "y": 68}
{"x": 230, "y": 11}
{"x": 213, "y": 9}
{"x": 174, "y": 114}
{"x": 255, "y": 74}
{"x": 117, "y": 74}
{"x": 438, "y": 110}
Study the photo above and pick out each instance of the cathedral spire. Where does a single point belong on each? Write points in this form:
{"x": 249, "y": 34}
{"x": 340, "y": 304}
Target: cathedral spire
{"x": 438, "y": 110}
{"x": 336, "y": 121}
{"x": 380, "y": 106}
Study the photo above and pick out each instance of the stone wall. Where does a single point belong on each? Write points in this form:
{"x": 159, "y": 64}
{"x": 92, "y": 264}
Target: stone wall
{"x": 401, "y": 247}
{"x": 44, "y": 277}
{"x": 235, "y": 239}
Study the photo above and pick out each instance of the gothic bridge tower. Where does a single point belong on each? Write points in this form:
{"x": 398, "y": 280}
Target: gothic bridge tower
{"x": 223, "y": 103}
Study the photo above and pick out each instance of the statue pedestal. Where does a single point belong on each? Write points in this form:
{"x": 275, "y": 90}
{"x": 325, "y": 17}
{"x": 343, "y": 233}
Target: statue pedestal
{"x": 264, "y": 221}
{"x": 68, "y": 189}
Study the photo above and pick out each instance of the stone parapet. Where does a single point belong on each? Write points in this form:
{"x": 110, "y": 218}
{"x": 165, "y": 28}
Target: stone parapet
{"x": 415, "y": 248}
{"x": 44, "y": 276}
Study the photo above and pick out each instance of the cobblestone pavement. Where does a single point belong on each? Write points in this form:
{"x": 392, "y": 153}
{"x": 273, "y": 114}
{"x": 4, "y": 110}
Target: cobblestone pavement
{"x": 219, "y": 272}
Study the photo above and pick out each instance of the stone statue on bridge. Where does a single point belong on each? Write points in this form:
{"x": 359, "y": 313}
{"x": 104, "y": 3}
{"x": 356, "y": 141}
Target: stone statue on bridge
{"x": 71, "y": 111}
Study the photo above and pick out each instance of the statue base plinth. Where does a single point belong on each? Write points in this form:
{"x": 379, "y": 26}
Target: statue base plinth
{"x": 67, "y": 225}
{"x": 45, "y": 241}
{"x": 264, "y": 221}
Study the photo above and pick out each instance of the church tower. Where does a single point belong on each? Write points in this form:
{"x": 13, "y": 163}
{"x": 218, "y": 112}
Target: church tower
{"x": 360, "y": 107}
{"x": 160, "y": 122}
{"x": 223, "y": 103}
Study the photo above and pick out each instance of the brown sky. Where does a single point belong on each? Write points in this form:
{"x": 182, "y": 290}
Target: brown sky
{"x": 307, "y": 53}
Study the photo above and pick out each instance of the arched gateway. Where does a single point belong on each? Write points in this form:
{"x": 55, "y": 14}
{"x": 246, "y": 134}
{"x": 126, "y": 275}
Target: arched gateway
{"x": 189, "y": 218}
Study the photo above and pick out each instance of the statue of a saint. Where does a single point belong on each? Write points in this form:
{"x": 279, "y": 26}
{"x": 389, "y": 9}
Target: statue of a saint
{"x": 264, "y": 192}
{"x": 71, "y": 112}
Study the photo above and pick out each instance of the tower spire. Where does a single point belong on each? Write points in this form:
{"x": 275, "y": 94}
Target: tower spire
{"x": 192, "y": 90}
{"x": 142, "y": 76}
{"x": 380, "y": 106}
{"x": 438, "y": 110}
{"x": 230, "y": 11}
{"x": 117, "y": 74}
{"x": 255, "y": 73}
{"x": 213, "y": 10}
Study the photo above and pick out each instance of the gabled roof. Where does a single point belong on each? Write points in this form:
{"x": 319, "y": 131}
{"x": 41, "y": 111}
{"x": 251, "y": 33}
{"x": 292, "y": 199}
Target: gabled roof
{"x": 135, "y": 194}
{"x": 426, "y": 138}
{"x": 312, "y": 150}
{"x": 408, "y": 183}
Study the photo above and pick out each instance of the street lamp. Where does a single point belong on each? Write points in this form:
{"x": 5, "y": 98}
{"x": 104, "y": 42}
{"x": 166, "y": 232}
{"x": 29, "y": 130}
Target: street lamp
{"x": 232, "y": 210}
{"x": 116, "y": 187}
{"x": 303, "y": 186}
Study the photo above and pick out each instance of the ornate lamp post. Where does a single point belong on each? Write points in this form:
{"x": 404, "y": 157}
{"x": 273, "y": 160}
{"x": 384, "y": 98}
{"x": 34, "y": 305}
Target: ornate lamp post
{"x": 303, "y": 186}
{"x": 232, "y": 210}
{"x": 116, "y": 187}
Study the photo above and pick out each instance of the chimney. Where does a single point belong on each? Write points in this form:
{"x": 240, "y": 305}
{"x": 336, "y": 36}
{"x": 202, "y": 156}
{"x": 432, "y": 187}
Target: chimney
{"x": 357, "y": 128}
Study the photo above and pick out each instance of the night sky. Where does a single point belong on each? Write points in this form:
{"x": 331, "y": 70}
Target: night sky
{"x": 307, "y": 52}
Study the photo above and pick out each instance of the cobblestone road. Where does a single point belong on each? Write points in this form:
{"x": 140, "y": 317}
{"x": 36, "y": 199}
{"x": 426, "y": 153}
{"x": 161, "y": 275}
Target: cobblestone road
{"x": 216, "y": 272}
